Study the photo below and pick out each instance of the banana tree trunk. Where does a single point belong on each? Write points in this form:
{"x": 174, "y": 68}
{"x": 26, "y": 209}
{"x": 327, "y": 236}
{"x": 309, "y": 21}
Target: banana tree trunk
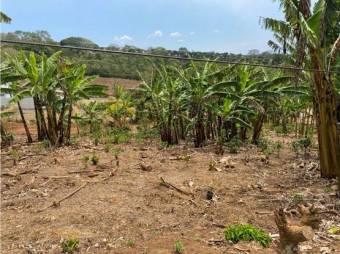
{"x": 41, "y": 117}
{"x": 329, "y": 150}
{"x": 60, "y": 126}
{"x": 5, "y": 138}
{"x": 28, "y": 134}
{"x": 69, "y": 124}
{"x": 52, "y": 126}
{"x": 37, "y": 119}
{"x": 258, "y": 127}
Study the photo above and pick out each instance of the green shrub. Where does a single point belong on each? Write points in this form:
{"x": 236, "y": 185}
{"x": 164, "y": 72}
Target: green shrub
{"x": 145, "y": 132}
{"x": 85, "y": 159}
{"x": 120, "y": 135}
{"x": 15, "y": 155}
{"x": 247, "y": 232}
{"x": 69, "y": 246}
{"x": 277, "y": 145}
{"x": 234, "y": 145}
{"x": 263, "y": 144}
{"x": 94, "y": 159}
{"x": 302, "y": 144}
{"x": 179, "y": 248}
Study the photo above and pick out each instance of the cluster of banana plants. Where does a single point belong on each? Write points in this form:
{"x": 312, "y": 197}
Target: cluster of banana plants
{"x": 55, "y": 84}
{"x": 210, "y": 102}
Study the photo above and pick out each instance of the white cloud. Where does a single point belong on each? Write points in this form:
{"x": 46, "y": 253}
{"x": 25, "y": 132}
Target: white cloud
{"x": 123, "y": 38}
{"x": 192, "y": 33}
{"x": 157, "y": 33}
{"x": 180, "y": 40}
{"x": 175, "y": 34}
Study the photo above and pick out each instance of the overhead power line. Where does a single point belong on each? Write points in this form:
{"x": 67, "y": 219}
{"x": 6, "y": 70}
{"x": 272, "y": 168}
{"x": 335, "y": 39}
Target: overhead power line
{"x": 162, "y": 56}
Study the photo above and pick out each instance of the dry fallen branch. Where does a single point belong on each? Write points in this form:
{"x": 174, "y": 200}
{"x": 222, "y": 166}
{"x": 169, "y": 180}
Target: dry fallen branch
{"x": 57, "y": 203}
{"x": 19, "y": 173}
{"x": 86, "y": 171}
{"x": 170, "y": 185}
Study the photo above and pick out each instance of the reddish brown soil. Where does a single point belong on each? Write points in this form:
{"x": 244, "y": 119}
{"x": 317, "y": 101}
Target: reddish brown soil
{"x": 132, "y": 205}
{"x": 111, "y": 82}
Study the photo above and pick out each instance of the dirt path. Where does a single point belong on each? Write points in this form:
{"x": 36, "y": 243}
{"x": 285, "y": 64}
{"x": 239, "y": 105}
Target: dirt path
{"x": 131, "y": 212}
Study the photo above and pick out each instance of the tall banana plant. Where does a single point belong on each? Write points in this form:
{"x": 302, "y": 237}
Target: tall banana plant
{"x": 316, "y": 31}
{"x": 11, "y": 85}
{"x": 75, "y": 85}
{"x": 55, "y": 86}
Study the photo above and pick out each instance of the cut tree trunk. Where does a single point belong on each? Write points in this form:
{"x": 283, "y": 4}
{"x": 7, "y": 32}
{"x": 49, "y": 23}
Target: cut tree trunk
{"x": 291, "y": 235}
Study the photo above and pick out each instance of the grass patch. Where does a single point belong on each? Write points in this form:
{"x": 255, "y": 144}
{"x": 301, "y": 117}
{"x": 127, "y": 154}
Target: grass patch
{"x": 179, "y": 248}
{"x": 69, "y": 246}
{"x": 247, "y": 232}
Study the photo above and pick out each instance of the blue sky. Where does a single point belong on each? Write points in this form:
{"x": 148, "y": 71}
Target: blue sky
{"x": 206, "y": 25}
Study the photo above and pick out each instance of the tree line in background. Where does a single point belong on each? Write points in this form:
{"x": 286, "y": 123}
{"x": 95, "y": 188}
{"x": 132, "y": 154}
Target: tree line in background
{"x": 122, "y": 66}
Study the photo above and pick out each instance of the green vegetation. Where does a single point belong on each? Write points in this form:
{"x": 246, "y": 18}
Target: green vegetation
{"x": 69, "y": 246}
{"x": 309, "y": 38}
{"x": 246, "y": 232}
{"x": 179, "y": 248}
{"x": 55, "y": 84}
{"x": 94, "y": 159}
{"x": 234, "y": 145}
{"x": 130, "y": 243}
{"x": 301, "y": 145}
{"x": 277, "y": 146}
{"x": 334, "y": 230}
{"x": 122, "y": 66}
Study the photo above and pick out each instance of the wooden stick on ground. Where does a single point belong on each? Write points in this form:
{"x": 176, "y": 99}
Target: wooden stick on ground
{"x": 19, "y": 173}
{"x": 86, "y": 171}
{"x": 57, "y": 203}
{"x": 170, "y": 185}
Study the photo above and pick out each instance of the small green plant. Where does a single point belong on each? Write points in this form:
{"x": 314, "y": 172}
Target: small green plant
{"x": 247, "y": 232}
{"x": 297, "y": 197}
{"x": 96, "y": 136}
{"x": 328, "y": 189}
{"x": 69, "y": 246}
{"x": 131, "y": 243}
{"x": 334, "y": 230}
{"x": 15, "y": 155}
{"x": 303, "y": 144}
{"x": 121, "y": 135}
{"x": 85, "y": 159}
{"x": 234, "y": 145}
{"x": 94, "y": 159}
{"x": 42, "y": 146}
{"x": 277, "y": 145}
{"x": 107, "y": 148}
{"x": 263, "y": 144}
{"x": 179, "y": 248}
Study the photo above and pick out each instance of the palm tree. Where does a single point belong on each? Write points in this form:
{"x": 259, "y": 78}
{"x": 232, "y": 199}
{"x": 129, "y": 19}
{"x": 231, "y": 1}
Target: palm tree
{"x": 4, "y": 18}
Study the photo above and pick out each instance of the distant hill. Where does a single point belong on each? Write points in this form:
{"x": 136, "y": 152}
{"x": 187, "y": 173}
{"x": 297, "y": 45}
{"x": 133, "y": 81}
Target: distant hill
{"x": 124, "y": 66}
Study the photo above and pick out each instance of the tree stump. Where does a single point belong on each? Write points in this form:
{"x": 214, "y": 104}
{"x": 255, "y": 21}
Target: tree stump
{"x": 291, "y": 234}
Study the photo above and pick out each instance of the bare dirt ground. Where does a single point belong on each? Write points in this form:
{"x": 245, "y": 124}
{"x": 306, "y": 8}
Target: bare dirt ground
{"x": 124, "y": 209}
